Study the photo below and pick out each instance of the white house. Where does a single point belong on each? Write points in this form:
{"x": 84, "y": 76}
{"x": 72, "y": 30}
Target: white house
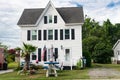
{"x": 116, "y": 49}
{"x": 57, "y": 30}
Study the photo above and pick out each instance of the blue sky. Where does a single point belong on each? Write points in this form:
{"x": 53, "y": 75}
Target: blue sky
{"x": 11, "y": 10}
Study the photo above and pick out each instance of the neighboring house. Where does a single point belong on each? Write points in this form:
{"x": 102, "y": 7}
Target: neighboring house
{"x": 53, "y": 30}
{"x": 116, "y": 49}
{"x": 1, "y": 57}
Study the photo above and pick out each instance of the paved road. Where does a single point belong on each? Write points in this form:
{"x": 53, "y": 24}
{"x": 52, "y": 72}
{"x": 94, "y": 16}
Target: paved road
{"x": 104, "y": 73}
{"x": 6, "y": 71}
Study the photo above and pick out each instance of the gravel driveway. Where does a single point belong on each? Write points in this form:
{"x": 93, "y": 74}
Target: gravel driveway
{"x": 104, "y": 73}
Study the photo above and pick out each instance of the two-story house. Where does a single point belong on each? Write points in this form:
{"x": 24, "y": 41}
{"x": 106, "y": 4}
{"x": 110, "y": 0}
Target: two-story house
{"x": 53, "y": 30}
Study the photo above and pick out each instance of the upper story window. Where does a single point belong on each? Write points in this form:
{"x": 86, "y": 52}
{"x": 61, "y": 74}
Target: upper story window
{"x": 67, "y": 34}
{"x": 50, "y": 34}
{"x": 34, "y": 34}
{"x": 50, "y": 19}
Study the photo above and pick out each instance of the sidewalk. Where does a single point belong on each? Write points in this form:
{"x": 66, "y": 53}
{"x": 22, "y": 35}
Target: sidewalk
{"x": 6, "y": 71}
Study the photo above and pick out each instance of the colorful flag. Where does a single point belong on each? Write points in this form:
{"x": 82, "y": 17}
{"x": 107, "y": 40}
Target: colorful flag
{"x": 44, "y": 49}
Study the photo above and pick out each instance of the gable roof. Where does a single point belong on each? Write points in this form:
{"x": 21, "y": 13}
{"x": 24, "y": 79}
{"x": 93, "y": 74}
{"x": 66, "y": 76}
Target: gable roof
{"x": 30, "y": 16}
{"x": 116, "y": 44}
{"x": 69, "y": 15}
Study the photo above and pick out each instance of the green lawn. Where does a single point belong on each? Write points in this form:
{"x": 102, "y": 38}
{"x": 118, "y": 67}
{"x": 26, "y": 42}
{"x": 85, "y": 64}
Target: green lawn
{"x": 65, "y": 74}
{"x": 113, "y": 66}
{"x": 13, "y": 65}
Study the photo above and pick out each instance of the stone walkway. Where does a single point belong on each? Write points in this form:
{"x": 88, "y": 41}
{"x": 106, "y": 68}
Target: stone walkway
{"x": 6, "y": 71}
{"x": 104, "y": 73}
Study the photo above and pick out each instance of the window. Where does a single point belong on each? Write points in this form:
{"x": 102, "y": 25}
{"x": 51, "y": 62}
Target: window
{"x": 45, "y": 19}
{"x": 34, "y": 34}
{"x": 55, "y": 19}
{"x": 61, "y": 34}
{"x": 56, "y": 34}
{"x": 50, "y": 18}
{"x": 72, "y": 34}
{"x": 33, "y": 57}
{"x": 39, "y": 34}
{"x": 28, "y": 35}
{"x": 50, "y": 34}
{"x": 45, "y": 34}
{"x": 67, "y": 34}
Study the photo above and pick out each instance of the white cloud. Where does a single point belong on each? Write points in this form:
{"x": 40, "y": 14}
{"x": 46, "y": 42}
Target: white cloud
{"x": 10, "y": 12}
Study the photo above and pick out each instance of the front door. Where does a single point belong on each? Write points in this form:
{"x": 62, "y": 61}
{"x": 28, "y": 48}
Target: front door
{"x": 67, "y": 57}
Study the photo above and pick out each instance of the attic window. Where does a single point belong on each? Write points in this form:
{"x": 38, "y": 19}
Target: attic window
{"x": 50, "y": 18}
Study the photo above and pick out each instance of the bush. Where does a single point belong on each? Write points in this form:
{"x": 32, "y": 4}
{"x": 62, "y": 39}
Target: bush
{"x": 10, "y": 58}
{"x": 88, "y": 58}
{"x": 36, "y": 67}
{"x": 78, "y": 66}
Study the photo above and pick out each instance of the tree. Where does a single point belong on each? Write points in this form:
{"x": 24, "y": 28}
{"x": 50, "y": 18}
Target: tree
{"x": 102, "y": 53}
{"x": 98, "y": 40}
{"x": 26, "y": 51}
{"x": 10, "y": 55}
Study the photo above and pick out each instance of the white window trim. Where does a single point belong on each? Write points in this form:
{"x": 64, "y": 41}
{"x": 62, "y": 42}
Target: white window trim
{"x": 36, "y": 34}
{"x": 48, "y": 34}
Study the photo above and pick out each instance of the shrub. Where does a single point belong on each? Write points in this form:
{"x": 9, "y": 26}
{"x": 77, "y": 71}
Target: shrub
{"x": 36, "y": 67}
{"x": 88, "y": 58}
{"x": 78, "y": 66}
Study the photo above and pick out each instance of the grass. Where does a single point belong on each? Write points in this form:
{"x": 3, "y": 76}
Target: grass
{"x": 41, "y": 75}
{"x": 62, "y": 75}
{"x": 113, "y": 66}
{"x": 65, "y": 74}
{"x": 13, "y": 65}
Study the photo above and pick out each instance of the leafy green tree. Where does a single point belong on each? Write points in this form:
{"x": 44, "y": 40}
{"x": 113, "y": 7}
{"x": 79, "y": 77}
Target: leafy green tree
{"x": 99, "y": 39}
{"x": 102, "y": 53}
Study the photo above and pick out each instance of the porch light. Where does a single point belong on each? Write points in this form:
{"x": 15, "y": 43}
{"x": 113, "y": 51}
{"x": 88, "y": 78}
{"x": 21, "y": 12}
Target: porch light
{"x": 61, "y": 47}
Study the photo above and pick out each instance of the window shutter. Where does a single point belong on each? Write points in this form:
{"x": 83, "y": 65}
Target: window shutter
{"x": 45, "y": 55}
{"x": 45, "y": 19}
{"x": 56, "y": 53}
{"x": 39, "y": 54}
{"x": 72, "y": 34}
{"x": 28, "y": 35}
{"x": 45, "y": 35}
{"x": 39, "y": 34}
{"x": 56, "y": 35}
{"x": 55, "y": 19}
{"x": 61, "y": 34}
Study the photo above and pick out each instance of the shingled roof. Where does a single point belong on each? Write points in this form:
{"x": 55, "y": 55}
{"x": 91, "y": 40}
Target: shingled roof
{"x": 69, "y": 15}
